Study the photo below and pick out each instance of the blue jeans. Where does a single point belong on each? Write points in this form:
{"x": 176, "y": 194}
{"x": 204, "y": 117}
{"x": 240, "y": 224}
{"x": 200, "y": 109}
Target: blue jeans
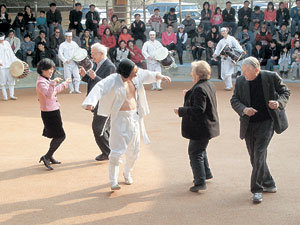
{"x": 295, "y": 23}
{"x": 270, "y": 64}
{"x": 199, "y": 161}
{"x": 232, "y": 25}
{"x": 249, "y": 48}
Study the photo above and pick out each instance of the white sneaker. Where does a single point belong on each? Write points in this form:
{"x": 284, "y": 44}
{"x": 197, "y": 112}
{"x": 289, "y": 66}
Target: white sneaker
{"x": 159, "y": 89}
{"x": 153, "y": 88}
{"x": 71, "y": 91}
{"x": 115, "y": 187}
{"x": 128, "y": 180}
{"x": 13, "y": 98}
{"x": 78, "y": 92}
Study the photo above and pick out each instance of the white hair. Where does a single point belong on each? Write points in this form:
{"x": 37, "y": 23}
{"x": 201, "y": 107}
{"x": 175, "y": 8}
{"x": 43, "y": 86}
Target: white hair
{"x": 252, "y": 61}
{"x": 100, "y": 48}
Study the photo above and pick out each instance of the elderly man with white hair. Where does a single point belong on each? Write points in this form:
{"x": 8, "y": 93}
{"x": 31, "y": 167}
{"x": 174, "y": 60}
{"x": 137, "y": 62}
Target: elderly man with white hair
{"x": 148, "y": 51}
{"x": 66, "y": 52}
{"x": 7, "y": 57}
{"x": 259, "y": 98}
{"x": 227, "y": 66}
{"x": 103, "y": 67}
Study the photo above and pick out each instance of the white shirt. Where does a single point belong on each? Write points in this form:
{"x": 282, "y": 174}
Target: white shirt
{"x": 7, "y": 56}
{"x": 232, "y": 43}
{"x": 149, "y": 50}
{"x": 66, "y": 51}
{"x": 16, "y": 42}
{"x": 111, "y": 94}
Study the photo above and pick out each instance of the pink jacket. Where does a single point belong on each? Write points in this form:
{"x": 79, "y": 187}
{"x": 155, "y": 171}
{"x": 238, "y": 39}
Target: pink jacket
{"x": 46, "y": 91}
{"x": 166, "y": 39}
{"x": 216, "y": 19}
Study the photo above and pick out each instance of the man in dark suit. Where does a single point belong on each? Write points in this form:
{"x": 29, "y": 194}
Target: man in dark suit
{"x": 75, "y": 19}
{"x": 260, "y": 98}
{"x": 92, "y": 20}
{"x": 103, "y": 67}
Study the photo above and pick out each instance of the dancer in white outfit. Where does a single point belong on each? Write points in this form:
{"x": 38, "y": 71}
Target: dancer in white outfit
{"x": 227, "y": 66}
{"x": 7, "y": 57}
{"x": 66, "y": 54}
{"x": 122, "y": 95}
{"x": 148, "y": 51}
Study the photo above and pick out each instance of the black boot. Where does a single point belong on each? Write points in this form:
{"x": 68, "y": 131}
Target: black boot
{"x": 53, "y": 161}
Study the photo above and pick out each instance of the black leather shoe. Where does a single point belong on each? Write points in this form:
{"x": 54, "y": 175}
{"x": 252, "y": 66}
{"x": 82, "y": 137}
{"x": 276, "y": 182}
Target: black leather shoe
{"x": 46, "y": 162}
{"x": 53, "y": 161}
{"x": 209, "y": 176}
{"x": 101, "y": 157}
{"x": 197, "y": 188}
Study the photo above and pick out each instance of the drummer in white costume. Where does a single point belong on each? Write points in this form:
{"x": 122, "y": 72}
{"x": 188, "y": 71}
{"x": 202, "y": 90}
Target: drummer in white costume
{"x": 148, "y": 51}
{"x": 7, "y": 57}
{"x": 122, "y": 95}
{"x": 66, "y": 54}
{"x": 227, "y": 66}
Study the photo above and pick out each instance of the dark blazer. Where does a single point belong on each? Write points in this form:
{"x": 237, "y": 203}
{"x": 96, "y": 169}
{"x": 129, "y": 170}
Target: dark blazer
{"x": 105, "y": 70}
{"x": 90, "y": 16}
{"x": 53, "y": 17}
{"x": 273, "y": 88}
{"x": 199, "y": 114}
{"x": 75, "y": 16}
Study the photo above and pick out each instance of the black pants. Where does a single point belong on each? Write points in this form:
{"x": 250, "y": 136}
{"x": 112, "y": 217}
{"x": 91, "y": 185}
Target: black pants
{"x": 112, "y": 54}
{"x": 101, "y": 130}
{"x": 171, "y": 47}
{"x": 216, "y": 63}
{"x": 199, "y": 161}
{"x": 54, "y": 145}
{"x": 197, "y": 53}
{"x": 258, "y": 137}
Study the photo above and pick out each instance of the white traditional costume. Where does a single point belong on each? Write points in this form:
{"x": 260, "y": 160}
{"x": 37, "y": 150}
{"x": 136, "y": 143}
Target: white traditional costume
{"x": 7, "y": 57}
{"x": 227, "y": 66}
{"x": 66, "y": 54}
{"x": 125, "y": 129}
{"x": 149, "y": 49}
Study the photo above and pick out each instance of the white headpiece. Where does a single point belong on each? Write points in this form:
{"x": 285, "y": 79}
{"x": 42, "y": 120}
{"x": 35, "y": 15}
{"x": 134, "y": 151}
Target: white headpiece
{"x": 69, "y": 34}
{"x": 152, "y": 32}
{"x": 224, "y": 29}
{"x": 2, "y": 37}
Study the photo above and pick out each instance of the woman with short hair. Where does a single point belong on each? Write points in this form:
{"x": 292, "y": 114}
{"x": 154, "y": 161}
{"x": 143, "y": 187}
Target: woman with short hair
{"x": 47, "y": 90}
{"x": 200, "y": 121}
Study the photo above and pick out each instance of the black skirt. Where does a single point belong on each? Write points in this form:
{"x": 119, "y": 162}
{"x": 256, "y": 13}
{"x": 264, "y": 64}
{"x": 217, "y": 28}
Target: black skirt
{"x": 52, "y": 124}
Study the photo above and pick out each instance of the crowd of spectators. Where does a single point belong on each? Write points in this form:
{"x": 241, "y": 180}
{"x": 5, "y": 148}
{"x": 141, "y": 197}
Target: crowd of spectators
{"x": 271, "y": 35}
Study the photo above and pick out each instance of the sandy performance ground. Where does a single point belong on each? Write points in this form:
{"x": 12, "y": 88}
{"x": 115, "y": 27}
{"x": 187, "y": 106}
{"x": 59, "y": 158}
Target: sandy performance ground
{"x": 77, "y": 191}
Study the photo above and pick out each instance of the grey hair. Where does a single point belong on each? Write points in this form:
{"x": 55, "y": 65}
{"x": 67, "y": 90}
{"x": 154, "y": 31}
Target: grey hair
{"x": 252, "y": 61}
{"x": 100, "y": 48}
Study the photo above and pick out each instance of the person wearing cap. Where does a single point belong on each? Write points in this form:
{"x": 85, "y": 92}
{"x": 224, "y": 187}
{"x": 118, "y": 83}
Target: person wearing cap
{"x": 227, "y": 65}
{"x": 54, "y": 19}
{"x": 122, "y": 96}
{"x": 170, "y": 18}
{"x": 148, "y": 51}
{"x": 189, "y": 25}
{"x": 259, "y": 99}
{"x": 7, "y": 57}
{"x": 66, "y": 53}
{"x": 75, "y": 19}
{"x": 181, "y": 37}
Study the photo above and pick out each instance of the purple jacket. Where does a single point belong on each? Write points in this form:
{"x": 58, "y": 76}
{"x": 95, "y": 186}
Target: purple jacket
{"x": 46, "y": 91}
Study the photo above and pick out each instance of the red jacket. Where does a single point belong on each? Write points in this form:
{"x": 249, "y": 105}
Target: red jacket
{"x": 137, "y": 55}
{"x": 216, "y": 19}
{"x": 125, "y": 37}
{"x": 101, "y": 29}
{"x": 109, "y": 41}
{"x": 265, "y": 40}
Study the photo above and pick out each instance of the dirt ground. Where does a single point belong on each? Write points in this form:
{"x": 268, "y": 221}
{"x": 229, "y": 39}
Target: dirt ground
{"x": 77, "y": 191}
